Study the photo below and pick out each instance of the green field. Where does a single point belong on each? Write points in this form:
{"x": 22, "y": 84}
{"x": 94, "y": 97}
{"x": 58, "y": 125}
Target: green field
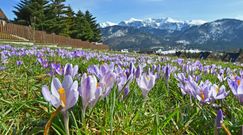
{"x": 164, "y": 110}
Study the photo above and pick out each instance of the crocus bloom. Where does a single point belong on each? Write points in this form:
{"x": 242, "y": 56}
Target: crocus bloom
{"x": 63, "y": 94}
{"x": 4, "y": 58}
{"x": 70, "y": 70}
{"x": 2, "y": 68}
{"x": 100, "y": 71}
{"x": 167, "y": 72}
{"x": 19, "y": 62}
{"x": 89, "y": 90}
{"x": 236, "y": 87}
{"x": 56, "y": 68}
{"x": 146, "y": 82}
{"x": 218, "y": 93}
{"x": 139, "y": 71}
{"x": 241, "y": 73}
{"x": 221, "y": 77}
{"x": 132, "y": 69}
{"x": 123, "y": 82}
{"x": 183, "y": 83}
{"x": 219, "y": 118}
{"x": 201, "y": 91}
{"x": 107, "y": 82}
{"x": 43, "y": 62}
{"x": 94, "y": 69}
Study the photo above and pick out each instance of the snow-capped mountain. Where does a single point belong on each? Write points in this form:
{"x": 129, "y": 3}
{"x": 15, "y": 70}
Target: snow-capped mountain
{"x": 168, "y": 33}
{"x": 163, "y": 23}
{"x": 107, "y": 24}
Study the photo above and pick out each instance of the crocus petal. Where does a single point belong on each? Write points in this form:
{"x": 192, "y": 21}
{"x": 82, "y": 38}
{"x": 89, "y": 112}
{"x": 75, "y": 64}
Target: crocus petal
{"x": 50, "y": 98}
{"x": 72, "y": 98}
{"x": 55, "y": 86}
{"x": 75, "y": 70}
{"x": 126, "y": 91}
{"x": 240, "y": 87}
{"x": 67, "y": 83}
{"x": 138, "y": 71}
{"x": 68, "y": 69}
{"x": 88, "y": 89}
{"x": 233, "y": 86}
{"x": 46, "y": 93}
{"x": 240, "y": 97}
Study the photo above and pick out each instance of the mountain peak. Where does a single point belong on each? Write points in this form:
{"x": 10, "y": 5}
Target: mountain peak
{"x": 133, "y": 20}
{"x": 107, "y": 24}
{"x": 171, "y": 20}
{"x": 166, "y": 23}
{"x": 197, "y": 22}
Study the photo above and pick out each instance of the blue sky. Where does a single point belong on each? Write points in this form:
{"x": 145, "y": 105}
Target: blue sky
{"x": 117, "y": 10}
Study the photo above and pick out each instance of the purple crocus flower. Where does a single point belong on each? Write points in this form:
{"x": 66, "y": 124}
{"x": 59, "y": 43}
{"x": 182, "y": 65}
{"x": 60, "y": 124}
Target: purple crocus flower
{"x": 158, "y": 69}
{"x": 221, "y": 77}
{"x": 19, "y": 62}
{"x": 94, "y": 69}
{"x": 56, "y": 68}
{"x": 2, "y": 68}
{"x": 123, "y": 81}
{"x": 153, "y": 68}
{"x": 241, "y": 73}
{"x": 219, "y": 119}
{"x": 4, "y": 58}
{"x": 104, "y": 69}
{"x": 236, "y": 87}
{"x": 167, "y": 72}
{"x": 183, "y": 83}
{"x": 180, "y": 61}
{"x": 201, "y": 91}
{"x": 132, "y": 69}
{"x": 70, "y": 70}
{"x": 43, "y": 62}
{"x": 139, "y": 71}
{"x": 63, "y": 94}
{"x": 100, "y": 71}
{"x": 146, "y": 82}
{"x": 217, "y": 92}
{"x": 107, "y": 82}
{"x": 89, "y": 90}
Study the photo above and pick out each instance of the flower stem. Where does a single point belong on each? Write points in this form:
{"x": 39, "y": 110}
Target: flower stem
{"x": 66, "y": 122}
{"x": 48, "y": 124}
{"x": 226, "y": 130}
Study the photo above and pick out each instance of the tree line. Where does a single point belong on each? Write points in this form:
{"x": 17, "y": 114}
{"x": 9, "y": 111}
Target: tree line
{"x": 53, "y": 16}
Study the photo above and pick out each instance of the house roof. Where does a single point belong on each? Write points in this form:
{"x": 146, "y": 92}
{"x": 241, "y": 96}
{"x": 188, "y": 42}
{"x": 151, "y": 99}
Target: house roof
{"x": 2, "y": 15}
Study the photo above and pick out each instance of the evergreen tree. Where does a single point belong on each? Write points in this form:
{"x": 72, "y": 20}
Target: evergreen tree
{"x": 22, "y": 13}
{"x": 37, "y": 8}
{"x": 82, "y": 27}
{"x": 54, "y": 22}
{"x": 54, "y": 16}
{"x": 31, "y": 12}
{"x": 96, "y": 37}
{"x": 69, "y": 22}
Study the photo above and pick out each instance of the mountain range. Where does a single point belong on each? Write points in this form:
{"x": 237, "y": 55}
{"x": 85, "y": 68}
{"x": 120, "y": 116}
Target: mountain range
{"x": 168, "y": 33}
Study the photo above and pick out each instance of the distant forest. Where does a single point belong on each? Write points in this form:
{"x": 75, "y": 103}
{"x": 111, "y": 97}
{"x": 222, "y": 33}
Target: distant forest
{"x": 53, "y": 16}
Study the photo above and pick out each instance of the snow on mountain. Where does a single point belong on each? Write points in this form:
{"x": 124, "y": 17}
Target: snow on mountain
{"x": 220, "y": 34}
{"x": 163, "y": 23}
{"x": 107, "y": 24}
{"x": 196, "y": 22}
{"x": 131, "y": 20}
